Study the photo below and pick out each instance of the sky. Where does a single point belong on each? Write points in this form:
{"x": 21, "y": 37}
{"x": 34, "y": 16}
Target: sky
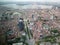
{"x": 29, "y": 0}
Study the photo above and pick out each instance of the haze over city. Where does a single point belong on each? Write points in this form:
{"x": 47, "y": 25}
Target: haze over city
{"x": 29, "y": 0}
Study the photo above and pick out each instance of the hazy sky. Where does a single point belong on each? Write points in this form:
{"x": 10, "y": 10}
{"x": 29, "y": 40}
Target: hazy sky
{"x": 30, "y": 0}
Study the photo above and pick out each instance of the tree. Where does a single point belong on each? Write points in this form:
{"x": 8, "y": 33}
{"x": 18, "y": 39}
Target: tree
{"x": 55, "y": 31}
{"x": 50, "y": 39}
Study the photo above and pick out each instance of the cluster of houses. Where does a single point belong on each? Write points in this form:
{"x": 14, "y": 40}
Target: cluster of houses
{"x": 39, "y": 21}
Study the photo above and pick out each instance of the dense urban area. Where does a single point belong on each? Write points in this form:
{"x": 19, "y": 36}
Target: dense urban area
{"x": 31, "y": 25}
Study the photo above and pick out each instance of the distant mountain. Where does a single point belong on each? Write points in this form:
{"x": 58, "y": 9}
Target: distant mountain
{"x": 19, "y": 3}
{"x": 27, "y": 3}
